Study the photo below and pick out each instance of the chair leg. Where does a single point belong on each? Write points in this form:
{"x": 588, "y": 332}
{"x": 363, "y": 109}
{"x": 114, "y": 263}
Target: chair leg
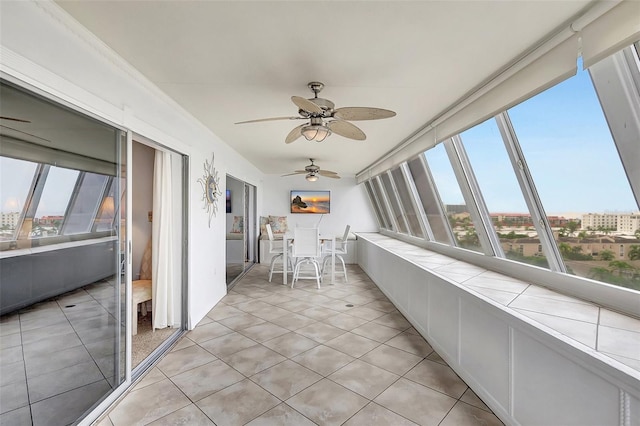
{"x": 324, "y": 264}
{"x": 344, "y": 268}
{"x": 296, "y": 271}
{"x": 273, "y": 261}
{"x": 318, "y": 275}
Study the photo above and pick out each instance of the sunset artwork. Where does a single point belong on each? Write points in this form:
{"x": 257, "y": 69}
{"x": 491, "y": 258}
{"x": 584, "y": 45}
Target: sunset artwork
{"x": 315, "y": 202}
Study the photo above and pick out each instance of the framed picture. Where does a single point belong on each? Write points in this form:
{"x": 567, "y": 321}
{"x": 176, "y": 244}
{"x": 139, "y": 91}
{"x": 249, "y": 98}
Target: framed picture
{"x": 228, "y": 201}
{"x": 310, "y": 202}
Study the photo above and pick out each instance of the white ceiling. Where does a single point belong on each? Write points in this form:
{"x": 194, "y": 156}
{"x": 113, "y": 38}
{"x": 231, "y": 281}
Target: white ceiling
{"x": 235, "y": 60}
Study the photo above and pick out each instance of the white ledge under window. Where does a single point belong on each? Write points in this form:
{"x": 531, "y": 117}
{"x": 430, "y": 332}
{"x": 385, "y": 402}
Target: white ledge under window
{"x": 513, "y": 341}
{"x": 52, "y": 247}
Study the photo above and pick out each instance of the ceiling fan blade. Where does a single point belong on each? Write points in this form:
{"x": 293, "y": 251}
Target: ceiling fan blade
{"x": 330, "y": 176}
{"x": 297, "y": 172}
{"x": 294, "y": 134}
{"x": 327, "y": 173}
{"x": 270, "y": 119}
{"x": 346, "y": 129}
{"x": 306, "y": 104}
{"x": 15, "y": 119}
{"x": 362, "y": 113}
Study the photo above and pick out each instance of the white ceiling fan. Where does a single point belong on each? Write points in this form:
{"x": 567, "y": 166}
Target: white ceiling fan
{"x": 312, "y": 172}
{"x": 324, "y": 119}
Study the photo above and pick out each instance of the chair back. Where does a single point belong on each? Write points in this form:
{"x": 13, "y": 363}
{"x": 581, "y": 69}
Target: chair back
{"x": 269, "y": 231}
{"x": 274, "y": 246}
{"x": 306, "y": 242}
{"x": 346, "y": 233}
{"x": 341, "y": 243}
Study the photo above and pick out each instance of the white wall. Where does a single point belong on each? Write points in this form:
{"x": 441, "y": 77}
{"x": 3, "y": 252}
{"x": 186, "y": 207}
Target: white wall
{"x": 142, "y": 195}
{"x": 45, "y": 50}
{"x": 349, "y": 203}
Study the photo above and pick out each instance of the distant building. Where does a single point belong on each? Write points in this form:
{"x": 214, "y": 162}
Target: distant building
{"x": 525, "y": 220}
{"x": 625, "y": 223}
{"x": 512, "y": 219}
{"x": 599, "y": 221}
{"x": 49, "y": 220}
{"x": 589, "y": 246}
{"x": 559, "y": 221}
{"x": 9, "y": 219}
{"x": 628, "y": 223}
{"x": 456, "y": 208}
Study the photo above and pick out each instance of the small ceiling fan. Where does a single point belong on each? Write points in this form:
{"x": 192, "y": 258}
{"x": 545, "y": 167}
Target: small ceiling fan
{"x": 312, "y": 172}
{"x": 324, "y": 119}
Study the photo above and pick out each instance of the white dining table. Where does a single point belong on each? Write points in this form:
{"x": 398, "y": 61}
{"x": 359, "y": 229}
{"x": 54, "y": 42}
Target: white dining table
{"x": 288, "y": 238}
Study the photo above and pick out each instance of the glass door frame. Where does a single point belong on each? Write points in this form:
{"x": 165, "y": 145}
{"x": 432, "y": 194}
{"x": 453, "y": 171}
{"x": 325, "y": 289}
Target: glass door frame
{"x": 151, "y": 359}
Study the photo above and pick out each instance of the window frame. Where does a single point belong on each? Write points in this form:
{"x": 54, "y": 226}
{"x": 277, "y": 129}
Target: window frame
{"x": 622, "y": 299}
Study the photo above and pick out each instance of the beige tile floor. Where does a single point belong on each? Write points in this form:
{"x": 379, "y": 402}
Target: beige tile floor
{"x": 57, "y": 357}
{"x": 270, "y": 355}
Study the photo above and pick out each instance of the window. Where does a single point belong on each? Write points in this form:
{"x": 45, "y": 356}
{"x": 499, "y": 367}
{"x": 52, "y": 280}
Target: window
{"x": 395, "y": 204}
{"x": 16, "y": 177}
{"x": 86, "y": 200}
{"x": 377, "y": 189}
{"x": 501, "y": 192}
{"x": 430, "y": 201}
{"x": 374, "y": 203}
{"x": 106, "y": 213}
{"x": 52, "y": 206}
{"x": 455, "y": 207}
{"x": 578, "y": 173}
{"x": 407, "y": 204}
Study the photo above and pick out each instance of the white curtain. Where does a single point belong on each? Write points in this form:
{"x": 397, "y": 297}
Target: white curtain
{"x": 162, "y": 240}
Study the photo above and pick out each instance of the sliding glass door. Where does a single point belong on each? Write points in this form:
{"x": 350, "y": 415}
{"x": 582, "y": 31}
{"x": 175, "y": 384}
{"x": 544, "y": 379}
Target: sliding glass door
{"x": 241, "y": 246}
{"x": 62, "y": 260}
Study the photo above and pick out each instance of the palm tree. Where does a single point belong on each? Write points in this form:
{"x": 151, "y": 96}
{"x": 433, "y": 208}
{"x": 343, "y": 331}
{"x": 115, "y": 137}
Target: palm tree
{"x": 634, "y": 252}
{"x": 607, "y": 255}
{"x": 572, "y": 227}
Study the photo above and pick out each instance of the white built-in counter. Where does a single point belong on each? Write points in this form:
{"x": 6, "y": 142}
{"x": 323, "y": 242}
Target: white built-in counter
{"x": 535, "y": 357}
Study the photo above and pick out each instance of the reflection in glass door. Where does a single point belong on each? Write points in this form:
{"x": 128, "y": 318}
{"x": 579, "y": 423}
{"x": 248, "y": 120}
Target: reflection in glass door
{"x": 241, "y": 224}
{"x": 62, "y": 244}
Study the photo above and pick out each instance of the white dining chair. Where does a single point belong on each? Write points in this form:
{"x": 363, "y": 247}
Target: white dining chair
{"x": 276, "y": 249}
{"x": 340, "y": 249}
{"x": 306, "y": 250}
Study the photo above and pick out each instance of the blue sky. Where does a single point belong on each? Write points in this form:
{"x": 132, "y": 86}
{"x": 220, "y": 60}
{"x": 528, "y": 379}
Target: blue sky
{"x": 568, "y": 148}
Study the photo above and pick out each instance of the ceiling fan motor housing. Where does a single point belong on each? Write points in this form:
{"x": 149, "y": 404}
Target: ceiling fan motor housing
{"x": 325, "y": 104}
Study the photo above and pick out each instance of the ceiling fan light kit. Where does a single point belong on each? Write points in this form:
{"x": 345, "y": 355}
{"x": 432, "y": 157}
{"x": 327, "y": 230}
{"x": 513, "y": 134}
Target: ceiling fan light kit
{"x": 311, "y": 177}
{"x": 315, "y": 132}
